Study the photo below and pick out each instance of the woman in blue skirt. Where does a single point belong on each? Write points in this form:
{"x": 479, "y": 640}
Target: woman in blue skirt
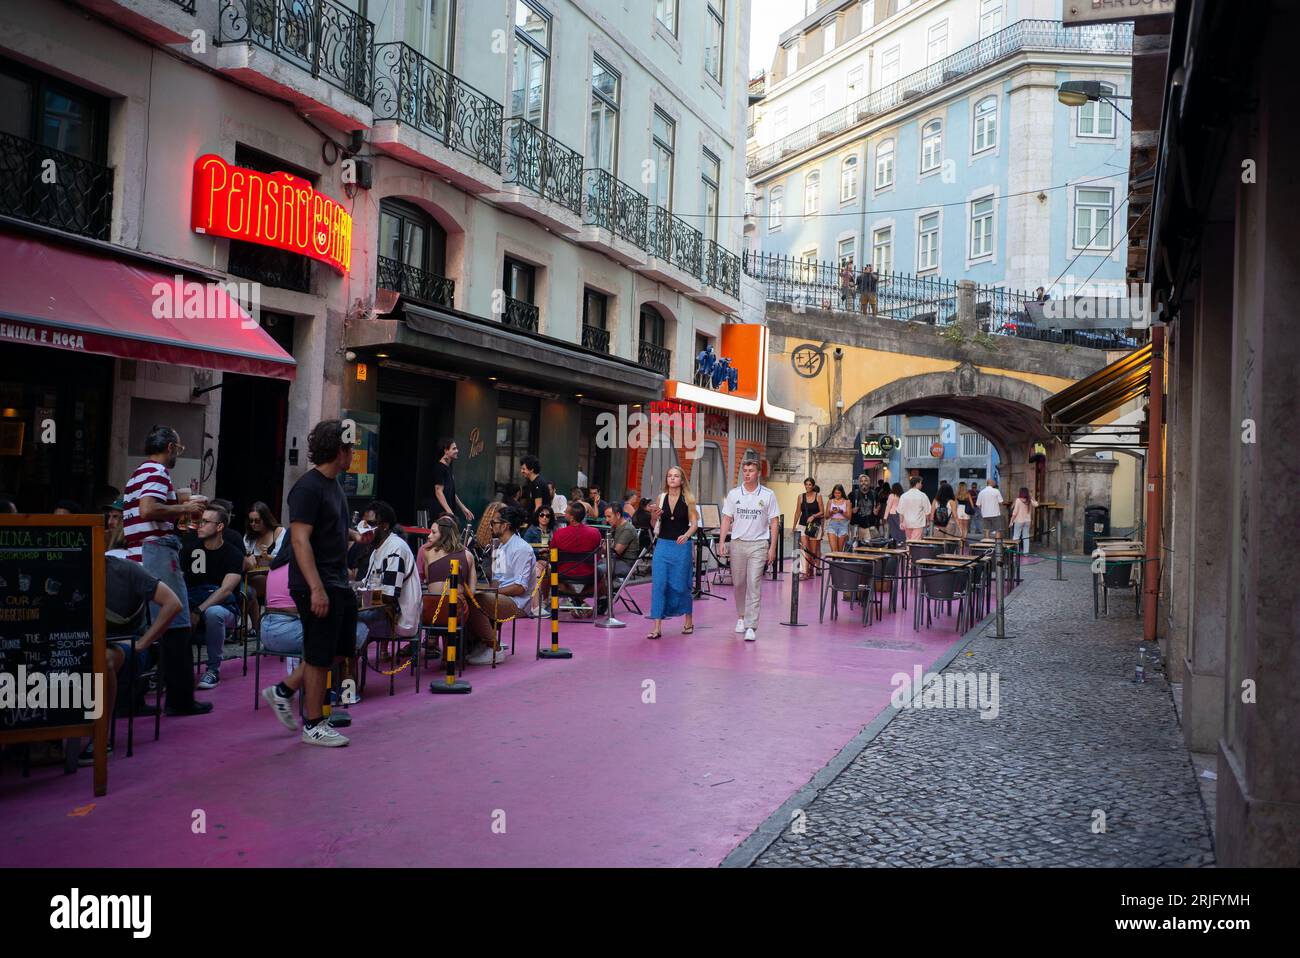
{"x": 671, "y": 572}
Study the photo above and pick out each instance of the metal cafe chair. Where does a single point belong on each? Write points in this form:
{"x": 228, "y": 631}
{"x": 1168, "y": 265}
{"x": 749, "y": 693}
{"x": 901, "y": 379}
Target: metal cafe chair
{"x": 576, "y": 585}
{"x": 1119, "y": 576}
{"x": 944, "y": 585}
{"x": 129, "y": 630}
{"x": 249, "y": 595}
{"x": 852, "y": 577}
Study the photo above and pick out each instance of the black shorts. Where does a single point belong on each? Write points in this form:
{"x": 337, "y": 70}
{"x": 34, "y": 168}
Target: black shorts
{"x": 335, "y": 636}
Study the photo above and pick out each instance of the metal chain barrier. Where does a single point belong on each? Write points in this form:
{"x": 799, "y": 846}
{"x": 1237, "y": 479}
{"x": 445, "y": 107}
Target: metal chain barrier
{"x": 414, "y": 643}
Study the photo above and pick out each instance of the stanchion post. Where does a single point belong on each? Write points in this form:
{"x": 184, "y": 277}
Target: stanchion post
{"x": 1002, "y": 568}
{"x": 554, "y": 651}
{"x": 450, "y": 684}
{"x": 1059, "y": 576}
{"x": 794, "y": 603}
{"x": 610, "y": 621}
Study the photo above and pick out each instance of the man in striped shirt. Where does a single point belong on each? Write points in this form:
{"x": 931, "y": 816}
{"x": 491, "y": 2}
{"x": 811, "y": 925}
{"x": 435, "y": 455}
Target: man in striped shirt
{"x": 148, "y": 520}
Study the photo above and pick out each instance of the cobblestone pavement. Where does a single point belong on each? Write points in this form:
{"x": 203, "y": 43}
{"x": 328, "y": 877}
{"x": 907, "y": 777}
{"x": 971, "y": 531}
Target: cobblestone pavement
{"x": 1074, "y": 735}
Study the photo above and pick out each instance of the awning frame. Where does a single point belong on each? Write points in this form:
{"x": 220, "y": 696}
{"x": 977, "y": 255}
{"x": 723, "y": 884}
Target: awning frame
{"x": 1078, "y": 406}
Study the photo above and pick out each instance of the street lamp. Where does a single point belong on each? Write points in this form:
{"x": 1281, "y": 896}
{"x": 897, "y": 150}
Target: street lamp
{"x": 1079, "y": 92}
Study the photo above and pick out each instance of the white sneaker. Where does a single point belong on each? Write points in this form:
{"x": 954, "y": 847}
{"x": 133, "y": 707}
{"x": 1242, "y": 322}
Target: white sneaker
{"x": 482, "y": 657}
{"x": 322, "y": 733}
{"x": 750, "y": 636}
{"x": 283, "y": 708}
{"x": 740, "y": 626}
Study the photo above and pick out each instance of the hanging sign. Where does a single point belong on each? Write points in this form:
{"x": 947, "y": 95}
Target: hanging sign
{"x": 270, "y": 209}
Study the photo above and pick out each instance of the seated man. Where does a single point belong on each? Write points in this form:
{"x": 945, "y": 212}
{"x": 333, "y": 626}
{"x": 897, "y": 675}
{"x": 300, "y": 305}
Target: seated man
{"x": 392, "y": 575}
{"x": 514, "y": 573}
{"x": 576, "y": 537}
{"x": 625, "y": 546}
{"x": 214, "y": 570}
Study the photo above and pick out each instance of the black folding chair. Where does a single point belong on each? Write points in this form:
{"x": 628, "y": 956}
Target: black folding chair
{"x": 577, "y": 585}
{"x": 852, "y": 577}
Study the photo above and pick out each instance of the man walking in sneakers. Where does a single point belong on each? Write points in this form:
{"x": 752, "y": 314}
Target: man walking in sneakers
{"x": 318, "y": 582}
{"x": 750, "y": 516}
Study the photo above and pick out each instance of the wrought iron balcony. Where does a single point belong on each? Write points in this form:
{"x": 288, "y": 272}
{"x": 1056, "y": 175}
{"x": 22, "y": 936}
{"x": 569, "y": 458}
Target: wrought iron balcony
{"x": 416, "y": 284}
{"x": 186, "y": 5}
{"x": 721, "y": 269}
{"x": 595, "y": 337}
{"x": 676, "y": 242}
{"x": 412, "y": 89}
{"x": 323, "y": 37}
{"x": 520, "y": 314}
{"x": 77, "y": 198}
{"x": 655, "y": 358}
{"x": 542, "y": 164}
{"x": 1107, "y": 38}
{"x": 611, "y": 204}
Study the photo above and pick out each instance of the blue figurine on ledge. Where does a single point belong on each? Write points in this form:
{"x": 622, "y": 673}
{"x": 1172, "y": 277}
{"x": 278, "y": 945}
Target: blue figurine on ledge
{"x": 720, "y": 371}
{"x": 704, "y": 364}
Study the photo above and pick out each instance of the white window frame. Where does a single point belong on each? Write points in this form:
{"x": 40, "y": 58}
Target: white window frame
{"x": 886, "y": 161}
{"x": 868, "y": 15}
{"x": 936, "y": 138}
{"x": 988, "y": 218}
{"x": 853, "y": 90}
{"x": 984, "y": 125}
{"x": 817, "y": 103}
{"x": 812, "y": 192}
{"x": 990, "y": 17}
{"x": 775, "y": 208}
{"x": 671, "y": 8}
{"x": 717, "y": 13}
{"x": 792, "y": 59}
{"x": 852, "y": 240}
{"x": 924, "y": 265}
{"x": 1094, "y": 111}
{"x": 1096, "y": 244}
{"x": 807, "y": 270}
{"x": 849, "y": 178}
{"x": 780, "y": 122}
{"x": 828, "y": 38}
{"x": 932, "y": 41}
{"x": 886, "y": 264}
{"x": 891, "y": 60}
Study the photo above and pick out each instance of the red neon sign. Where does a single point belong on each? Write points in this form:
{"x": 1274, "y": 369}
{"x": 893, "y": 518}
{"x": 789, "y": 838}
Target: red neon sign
{"x": 272, "y": 209}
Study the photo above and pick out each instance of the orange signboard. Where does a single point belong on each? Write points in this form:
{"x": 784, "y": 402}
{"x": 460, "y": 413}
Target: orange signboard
{"x": 743, "y": 344}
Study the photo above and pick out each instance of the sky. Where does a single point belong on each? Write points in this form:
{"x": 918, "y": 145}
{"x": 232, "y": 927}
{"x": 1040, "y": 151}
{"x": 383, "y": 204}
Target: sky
{"x": 768, "y": 20}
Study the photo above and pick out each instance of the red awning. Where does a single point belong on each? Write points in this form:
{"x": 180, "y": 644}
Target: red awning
{"x": 85, "y": 301}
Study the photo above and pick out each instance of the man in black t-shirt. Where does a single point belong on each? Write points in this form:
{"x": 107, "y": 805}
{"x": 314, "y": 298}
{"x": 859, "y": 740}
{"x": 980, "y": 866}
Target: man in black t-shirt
{"x": 318, "y": 583}
{"x": 537, "y": 491}
{"x": 445, "y": 501}
{"x": 863, "y": 500}
{"x": 213, "y": 570}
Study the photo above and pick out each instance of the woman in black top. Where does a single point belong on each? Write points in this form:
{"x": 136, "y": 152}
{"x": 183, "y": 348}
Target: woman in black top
{"x": 944, "y": 499}
{"x": 670, "y": 573}
{"x": 811, "y": 511}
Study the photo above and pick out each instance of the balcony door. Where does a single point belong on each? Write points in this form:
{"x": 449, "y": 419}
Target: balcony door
{"x": 430, "y": 29}
{"x": 412, "y": 251}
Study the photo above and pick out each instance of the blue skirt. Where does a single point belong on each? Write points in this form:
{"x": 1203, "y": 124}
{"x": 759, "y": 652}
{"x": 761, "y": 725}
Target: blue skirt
{"x": 670, "y": 578}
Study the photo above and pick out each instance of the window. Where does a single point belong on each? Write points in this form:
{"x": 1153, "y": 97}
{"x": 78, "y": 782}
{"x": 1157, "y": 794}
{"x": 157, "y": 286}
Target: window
{"x": 652, "y": 326}
{"x": 936, "y": 43}
{"x": 717, "y": 29}
{"x": 927, "y": 250}
{"x": 849, "y": 179}
{"x": 1092, "y": 214}
{"x": 918, "y": 447}
{"x": 780, "y": 120}
{"x": 931, "y": 146}
{"x": 666, "y": 13}
{"x": 973, "y": 444}
{"x": 808, "y": 264}
{"x": 532, "y": 57}
{"x": 828, "y": 38}
{"x": 845, "y": 250}
{"x": 266, "y": 264}
{"x": 882, "y": 249}
{"x": 602, "y": 135}
{"x": 812, "y": 193}
{"x": 429, "y": 29}
{"x": 853, "y": 87}
{"x": 775, "y": 202}
{"x": 1098, "y": 118}
{"x": 710, "y": 177}
{"x": 664, "y": 135}
{"x": 410, "y": 237}
{"x": 514, "y": 442}
{"x": 889, "y": 65}
{"x": 520, "y": 280}
{"x": 595, "y": 306}
{"x": 981, "y": 227}
{"x": 986, "y": 125}
{"x": 868, "y": 14}
{"x": 792, "y": 58}
{"x": 817, "y": 105}
{"x": 990, "y": 17}
{"x": 885, "y": 165}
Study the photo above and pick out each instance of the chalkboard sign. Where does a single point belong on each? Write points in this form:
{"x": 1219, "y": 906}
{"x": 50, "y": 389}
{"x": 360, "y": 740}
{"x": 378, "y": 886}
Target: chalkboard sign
{"x": 52, "y": 653}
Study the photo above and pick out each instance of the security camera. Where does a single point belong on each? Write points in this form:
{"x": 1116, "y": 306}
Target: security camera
{"x": 350, "y": 356}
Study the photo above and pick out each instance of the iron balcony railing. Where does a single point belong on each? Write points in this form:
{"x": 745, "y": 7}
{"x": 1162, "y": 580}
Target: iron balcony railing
{"x": 186, "y": 5}
{"x": 611, "y": 204}
{"x": 412, "y": 89}
{"x": 595, "y": 337}
{"x": 520, "y": 315}
{"x": 1047, "y": 35}
{"x": 655, "y": 358}
{"x": 676, "y": 242}
{"x": 415, "y": 283}
{"x": 55, "y": 189}
{"x": 721, "y": 269}
{"x": 323, "y": 37}
{"x": 542, "y": 164}
{"x": 907, "y": 297}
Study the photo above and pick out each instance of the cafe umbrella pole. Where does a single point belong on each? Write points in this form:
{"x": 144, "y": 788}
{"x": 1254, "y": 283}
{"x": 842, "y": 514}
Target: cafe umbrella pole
{"x": 450, "y": 685}
{"x": 611, "y": 621}
{"x": 554, "y": 651}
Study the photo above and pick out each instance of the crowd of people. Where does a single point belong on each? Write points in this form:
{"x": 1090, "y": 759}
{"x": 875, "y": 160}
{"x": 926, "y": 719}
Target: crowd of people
{"x": 333, "y": 582}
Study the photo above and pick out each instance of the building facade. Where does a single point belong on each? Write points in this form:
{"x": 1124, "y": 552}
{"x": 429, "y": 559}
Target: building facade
{"x": 531, "y": 228}
{"x": 926, "y": 138}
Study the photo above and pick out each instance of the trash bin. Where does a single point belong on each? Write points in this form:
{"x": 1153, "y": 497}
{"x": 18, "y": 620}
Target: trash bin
{"x": 1096, "y": 522}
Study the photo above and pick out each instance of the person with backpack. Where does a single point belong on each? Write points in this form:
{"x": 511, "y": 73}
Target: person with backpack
{"x": 941, "y": 512}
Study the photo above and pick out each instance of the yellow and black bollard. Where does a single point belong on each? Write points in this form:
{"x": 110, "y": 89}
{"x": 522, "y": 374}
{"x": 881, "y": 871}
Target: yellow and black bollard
{"x": 450, "y": 684}
{"x": 554, "y": 651}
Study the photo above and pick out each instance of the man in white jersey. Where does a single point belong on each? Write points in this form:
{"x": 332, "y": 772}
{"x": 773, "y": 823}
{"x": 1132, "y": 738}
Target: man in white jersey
{"x": 989, "y": 502}
{"x": 750, "y": 516}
